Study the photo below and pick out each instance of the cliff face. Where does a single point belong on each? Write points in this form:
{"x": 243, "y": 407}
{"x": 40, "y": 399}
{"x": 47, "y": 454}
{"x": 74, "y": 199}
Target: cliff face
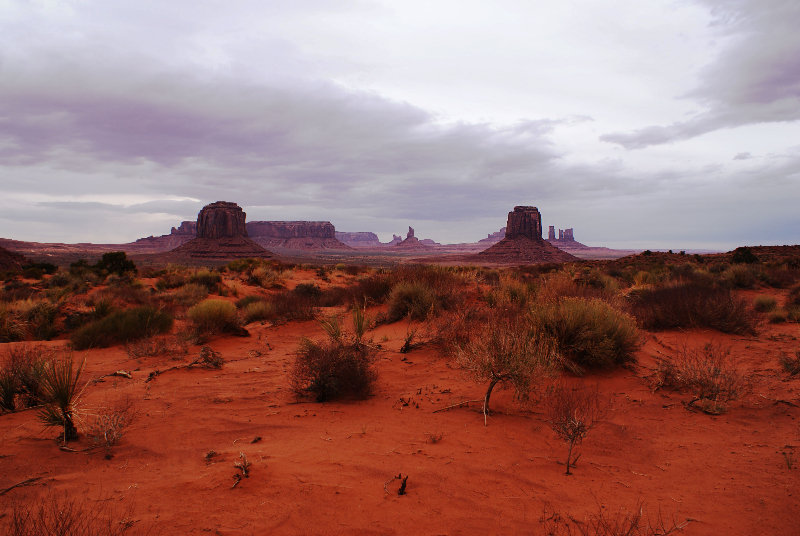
{"x": 359, "y": 239}
{"x": 221, "y": 219}
{"x": 186, "y": 228}
{"x": 524, "y": 221}
{"x": 523, "y": 242}
{"x": 292, "y": 229}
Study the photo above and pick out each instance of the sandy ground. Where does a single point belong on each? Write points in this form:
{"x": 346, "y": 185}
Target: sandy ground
{"x": 329, "y": 468}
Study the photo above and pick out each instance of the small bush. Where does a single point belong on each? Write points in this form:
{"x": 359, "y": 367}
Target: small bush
{"x": 21, "y": 377}
{"x": 214, "y": 316}
{"x": 333, "y": 369}
{"x": 288, "y": 305}
{"x": 10, "y": 328}
{"x": 412, "y": 299}
{"x": 740, "y": 277}
{"x": 709, "y": 372}
{"x": 743, "y": 255}
{"x": 510, "y": 352}
{"x": 122, "y": 326}
{"x": 190, "y": 294}
{"x": 793, "y": 298}
{"x": 257, "y": 311}
{"x": 690, "y": 305}
{"x": 210, "y": 280}
{"x": 790, "y": 364}
{"x": 764, "y": 304}
{"x": 589, "y": 333}
{"x": 777, "y": 317}
{"x": 110, "y": 422}
{"x": 115, "y": 262}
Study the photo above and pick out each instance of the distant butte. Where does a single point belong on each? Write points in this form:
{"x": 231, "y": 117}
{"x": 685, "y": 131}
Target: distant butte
{"x": 523, "y": 242}
{"x": 412, "y": 243}
{"x": 301, "y": 235}
{"x": 221, "y": 234}
{"x": 10, "y": 260}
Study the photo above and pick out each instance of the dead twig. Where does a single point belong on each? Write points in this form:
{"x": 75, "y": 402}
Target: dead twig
{"x": 21, "y": 484}
{"x": 457, "y": 405}
{"x": 244, "y": 466}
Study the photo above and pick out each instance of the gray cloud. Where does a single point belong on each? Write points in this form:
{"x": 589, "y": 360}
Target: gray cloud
{"x": 755, "y": 79}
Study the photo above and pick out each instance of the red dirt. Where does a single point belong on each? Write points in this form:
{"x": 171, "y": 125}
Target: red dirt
{"x": 324, "y": 468}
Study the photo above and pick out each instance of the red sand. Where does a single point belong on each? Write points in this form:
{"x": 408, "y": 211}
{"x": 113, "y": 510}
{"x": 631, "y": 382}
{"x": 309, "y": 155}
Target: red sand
{"x": 323, "y": 468}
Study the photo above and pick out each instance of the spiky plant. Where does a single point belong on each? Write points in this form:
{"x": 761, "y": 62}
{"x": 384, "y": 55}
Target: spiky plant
{"x": 61, "y": 392}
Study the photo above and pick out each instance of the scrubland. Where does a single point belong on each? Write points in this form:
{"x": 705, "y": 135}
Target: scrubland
{"x": 650, "y": 395}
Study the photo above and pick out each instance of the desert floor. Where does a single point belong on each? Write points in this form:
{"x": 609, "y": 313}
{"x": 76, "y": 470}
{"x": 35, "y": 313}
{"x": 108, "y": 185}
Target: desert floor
{"x": 329, "y": 468}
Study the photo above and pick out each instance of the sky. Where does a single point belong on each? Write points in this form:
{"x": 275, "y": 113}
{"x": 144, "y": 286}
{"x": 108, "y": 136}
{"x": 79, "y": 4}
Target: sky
{"x": 659, "y": 124}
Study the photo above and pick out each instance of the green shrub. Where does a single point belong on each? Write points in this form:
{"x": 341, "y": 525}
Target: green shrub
{"x": 589, "y": 333}
{"x": 333, "y": 369}
{"x": 241, "y": 303}
{"x": 10, "y": 329}
{"x": 257, "y": 311}
{"x": 740, "y": 277}
{"x": 411, "y": 299}
{"x": 122, "y": 326}
{"x": 743, "y": 255}
{"x": 691, "y": 305}
{"x": 777, "y": 317}
{"x": 764, "y": 304}
{"x": 210, "y": 280}
{"x": 115, "y": 262}
{"x": 190, "y": 294}
{"x": 214, "y": 316}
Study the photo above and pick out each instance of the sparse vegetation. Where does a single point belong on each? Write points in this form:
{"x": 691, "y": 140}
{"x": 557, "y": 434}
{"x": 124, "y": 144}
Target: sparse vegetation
{"x": 572, "y": 411}
{"x": 709, "y": 372}
{"x": 764, "y": 304}
{"x": 589, "y": 333}
{"x": 790, "y": 364}
{"x": 61, "y": 393}
{"x": 212, "y": 317}
{"x": 511, "y": 353}
{"x": 110, "y": 423}
{"x": 122, "y": 326}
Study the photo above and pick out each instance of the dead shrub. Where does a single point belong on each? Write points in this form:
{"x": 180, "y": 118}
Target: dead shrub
{"x": 572, "y": 410}
{"x": 65, "y": 515}
{"x": 690, "y": 305}
{"x": 110, "y": 423}
{"x": 632, "y": 522}
{"x": 709, "y": 372}
{"x": 154, "y": 346}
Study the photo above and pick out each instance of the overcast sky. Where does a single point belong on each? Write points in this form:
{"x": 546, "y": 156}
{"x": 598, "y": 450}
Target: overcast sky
{"x": 662, "y": 124}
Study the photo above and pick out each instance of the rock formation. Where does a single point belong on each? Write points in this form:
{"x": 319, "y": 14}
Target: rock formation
{"x": 11, "y": 261}
{"x": 565, "y": 240}
{"x": 523, "y": 242}
{"x": 494, "y": 238}
{"x": 304, "y": 235}
{"x": 358, "y": 239}
{"x": 412, "y": 243}
{"x": 185, "y": 228}
{"x": 221, "y": 234}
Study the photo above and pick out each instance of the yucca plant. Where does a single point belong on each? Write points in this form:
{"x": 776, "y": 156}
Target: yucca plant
{"x": 361, "y": 323}
{"x": 9, "y": 387}
{"x": 61, "y": 392}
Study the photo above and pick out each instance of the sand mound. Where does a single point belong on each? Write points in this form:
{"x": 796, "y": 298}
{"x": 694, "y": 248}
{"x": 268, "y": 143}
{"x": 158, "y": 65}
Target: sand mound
{"x": 525, "y": 250}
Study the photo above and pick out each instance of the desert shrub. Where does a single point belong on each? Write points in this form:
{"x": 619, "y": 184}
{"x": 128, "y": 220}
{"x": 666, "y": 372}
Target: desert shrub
{"x": 764, "y": 304}
{"x": 743, "y": 255}
{"x": 413, "y": 299}
{"x": 510, "y": 292}
{"x": 190, "y": 294}
{"x": 690, "y": 305}
{"x": 372, "y": 289}
{"x": 170, "y": 280}
{"x": 257, "y": 311}
{"x": 122, "y": 326}
{"x": 241, "y": 303}
{"x": 109, "y": 423}
{"x": 777, "y": 317}
{"x": 266, "y": 277}
{"x": 589, "y": 333}
{"x": 709, "y": 372}
{"x": 214, "y": 316}
{"x": 740, "y": 277}
{"x": 455, "y": 329}
{"x": 42, "y": 267}
{"x": 611, "y": 522}
{"x": 308, "y": 290}
{"x": 154, "y": 346}
{"x": 334, "y": 296}
{"x": 560, "y": 285}
{"x": 792, "y": 298}
{"x": 289, "y": 305}
{"x": 115, "y": 262}
{"x": 21, "y": 376}
{"x": 793, "y": 314}
{"x": 208, "y": 279}
{"x": 10, "y": 328}
{"x": 572, "y": 411}
{"x": 333, "y": 369}
{"x": 121, "y": 293}
{"x": 778, "y": 277}
{"x": 41, "y": 320}
{"x": 61, "y": 391}
{"x": 68, "y": 515}
{"x": 511, "y": 352}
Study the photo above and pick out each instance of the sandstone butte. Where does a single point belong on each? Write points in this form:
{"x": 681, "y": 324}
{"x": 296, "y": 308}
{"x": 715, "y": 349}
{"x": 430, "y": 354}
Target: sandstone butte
{"x": 411, "y": 243}
{"x": 221, "y": 234}
{"x": 302, "y": 235}
{"x": 523, "y": 242}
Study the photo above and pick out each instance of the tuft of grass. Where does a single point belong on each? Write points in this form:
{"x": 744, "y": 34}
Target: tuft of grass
{"x": 213, "y": 317}
{"x": 122, "y": 326}
{"x": 589, "y": 333}
{"x": 764, "y": 304}
{"x": 190, "y": 294}
{"x": 411, "y": 299}
{"x": 21, "y": 377}
{"x": 10, "y": 328}
{"x": 257, "y": 311}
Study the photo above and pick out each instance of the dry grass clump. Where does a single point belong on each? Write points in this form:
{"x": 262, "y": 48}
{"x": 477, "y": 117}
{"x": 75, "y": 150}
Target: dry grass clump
{"x": 122, "y": 326}
{"x": 790, "y": 364}
{"x": 709, "y": 372}
{"x": 453, "y": 330}
{"x": 589, "y": 333}
{"x": 189, "y": 294}
{"x": 633, "y": 522}
{"x": 333, "y": 369}
{"x": 212, "y": 317}
{"x": 741, "y": 276}
{"x": 572, "y": 410}
{"x": 690, "y": 305}
{"x": 205, "y": 278}
{"x": 155, "y": 346}
{"x": 511, "y": 352}
{"x": 21, "y": 377}
{"x": 764, "y": 304}
{"x": 10, "y": 328}
{"x": 559, "y": 285}
{"x": 69, "y": 516}
{"x": 110, "y": 423}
